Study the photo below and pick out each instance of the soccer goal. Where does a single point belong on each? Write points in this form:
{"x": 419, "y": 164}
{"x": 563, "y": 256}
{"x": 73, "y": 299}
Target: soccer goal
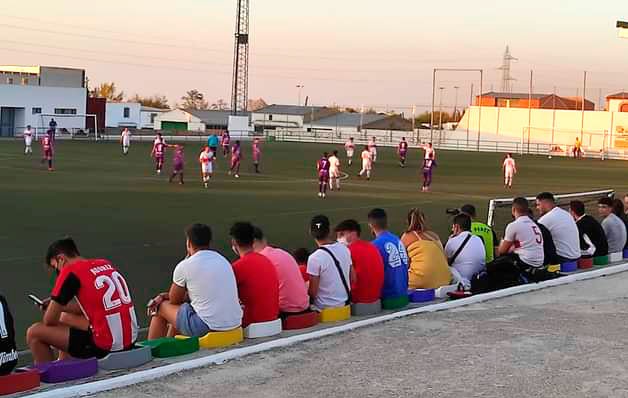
{"x": 560, "y": 142}
{"x": 499, "y": 210}
{"x": 71, "y": 132}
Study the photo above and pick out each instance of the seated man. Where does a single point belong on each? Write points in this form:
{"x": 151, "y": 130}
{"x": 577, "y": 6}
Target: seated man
{"x": 368, "y": 266}
{"x": 613, "y": 226}
{"x": 523, "y": 239}
{"x": 90, "y": 312}
{"x": 293, "y": 297}
{"x": 549, "y": 248}
{"x": 258, "y": 284}
{"x": 483, "y": 231}
{"x": 593, "y": 241}
{"x": 562, "y": 227}
{"x": 465, "y": 252}
{"x": 329, "y": 268}
{"x": 301, "y": 255}
{"x": 203, "y": 296}
{"x": 393, "y": 253}
{"x": 8, "y": 354}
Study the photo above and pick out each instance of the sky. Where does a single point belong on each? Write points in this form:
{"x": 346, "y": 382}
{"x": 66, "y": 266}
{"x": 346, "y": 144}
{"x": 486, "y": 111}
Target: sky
{"x": 369, "y": 53}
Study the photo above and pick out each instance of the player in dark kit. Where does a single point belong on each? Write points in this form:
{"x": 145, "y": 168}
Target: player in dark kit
{"x": 402, "y": 150}
{"x": 158, "y": 153}
{"x": 48, "y": 151}
{"x": 322, "y": 167}
{"x": 236, "y": 157}
{"x": 428, "y": 167}
{"x": 178, "y": 162}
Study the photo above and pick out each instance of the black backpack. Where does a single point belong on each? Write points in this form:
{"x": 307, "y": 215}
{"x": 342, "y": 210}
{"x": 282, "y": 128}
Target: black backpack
{"x": 501, "y": 273}
{"x": 8, "y": 353}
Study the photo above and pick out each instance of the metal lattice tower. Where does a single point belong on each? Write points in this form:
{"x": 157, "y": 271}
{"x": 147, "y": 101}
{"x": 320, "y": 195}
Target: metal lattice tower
{"x": 240, "y": 86}
{"x": 507, "y": 78}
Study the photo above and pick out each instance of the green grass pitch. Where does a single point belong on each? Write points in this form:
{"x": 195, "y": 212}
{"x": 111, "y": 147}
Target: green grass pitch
{"x": 117, "y": 208}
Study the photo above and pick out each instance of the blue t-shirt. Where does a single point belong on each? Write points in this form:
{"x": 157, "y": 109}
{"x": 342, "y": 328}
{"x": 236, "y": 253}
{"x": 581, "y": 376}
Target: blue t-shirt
{"x": 212, "y": 141}
{"x": 395, "y": 265}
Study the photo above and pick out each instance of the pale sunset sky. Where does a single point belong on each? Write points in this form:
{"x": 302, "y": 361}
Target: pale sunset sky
{"x": 350, "y": 52}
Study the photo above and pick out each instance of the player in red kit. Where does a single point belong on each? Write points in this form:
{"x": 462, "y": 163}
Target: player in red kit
{"x": 48, "y": 151}
{"x": 257, "y": 154}
{"x": 158, "y": 153}
{"x": 322, "y": 167}
{"x": 225, "y": 141}
{"x": 90, "y": 312}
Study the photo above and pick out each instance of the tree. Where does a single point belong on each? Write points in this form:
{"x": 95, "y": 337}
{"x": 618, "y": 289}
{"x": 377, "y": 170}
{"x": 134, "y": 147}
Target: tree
{"x": 108, "y": 91}
{"x": 256, "y": 104}
{"x": 156, "y": 101}
{"x": 194, "y": 99}
{"x": 219, "y": 105}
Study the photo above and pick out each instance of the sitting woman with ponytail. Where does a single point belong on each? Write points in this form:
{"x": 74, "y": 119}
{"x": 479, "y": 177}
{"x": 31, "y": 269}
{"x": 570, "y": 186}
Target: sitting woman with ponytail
{"x": 428, "y": 265}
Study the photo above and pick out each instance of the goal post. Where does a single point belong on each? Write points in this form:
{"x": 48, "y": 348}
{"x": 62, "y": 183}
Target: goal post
{"x": 555, "y": 141}
{"x": 499, "y": 212}
{"x": 44, "y": 119}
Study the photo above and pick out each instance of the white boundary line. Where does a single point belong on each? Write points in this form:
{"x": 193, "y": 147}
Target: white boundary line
{"x": 219, "y": 358}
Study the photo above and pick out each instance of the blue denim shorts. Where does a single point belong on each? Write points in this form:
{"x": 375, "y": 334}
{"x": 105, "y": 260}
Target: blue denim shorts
{"x": 188, "y": 322}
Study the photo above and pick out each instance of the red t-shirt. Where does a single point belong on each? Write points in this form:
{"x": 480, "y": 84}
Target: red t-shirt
{"x": 369, "y": 270}
{"x": 258, "y": 288}
{"x": 304, "y": 274}
{"x": 105, "y": 299}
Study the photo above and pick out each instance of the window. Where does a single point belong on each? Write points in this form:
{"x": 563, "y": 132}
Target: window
{"x": 25, "y": 81}
{"x": 270, "y": 117}
{"x": 127, "y": 113}
{"x": 65, "y": 111}
{"x": 152, "y": 118}
{"x": 36, "y": 111}
{"x": 9, "y": 80}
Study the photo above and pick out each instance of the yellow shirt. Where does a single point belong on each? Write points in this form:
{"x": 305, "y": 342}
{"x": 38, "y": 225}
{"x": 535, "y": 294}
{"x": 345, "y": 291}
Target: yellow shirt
{"x": 428, "y": 267}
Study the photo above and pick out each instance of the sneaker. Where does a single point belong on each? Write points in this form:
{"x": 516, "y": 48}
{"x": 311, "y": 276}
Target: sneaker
{"x": 320, "y": 194}
{"x": 237, "y": 176}
{"x": 324, "y": 196}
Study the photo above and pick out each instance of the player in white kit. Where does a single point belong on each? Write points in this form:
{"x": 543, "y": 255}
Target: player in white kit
{"x": 334, "y": 171}
{"x": 28, "y": 141}
{"x": 206, "y": 158}
{"x": 430, "y": 153}
{"x": 372, "y": 146}
{"x": 367, "y": 163}
{"x": 125, "y": 140}
{"x": 510, "y": 169}
{"x": 349, "y": 148}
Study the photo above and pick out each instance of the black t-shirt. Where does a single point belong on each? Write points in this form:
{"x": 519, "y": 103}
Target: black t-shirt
{"x": 549, "y": 248}
{"x": 589, "y": 226}
{"x": 8, "y": 353}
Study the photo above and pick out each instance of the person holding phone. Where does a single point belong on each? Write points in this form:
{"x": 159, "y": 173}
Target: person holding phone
{"x": 90, "y": 312}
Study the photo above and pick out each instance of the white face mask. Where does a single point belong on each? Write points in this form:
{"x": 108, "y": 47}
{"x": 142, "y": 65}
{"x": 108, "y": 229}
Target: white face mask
{"x": 343, "y": 240}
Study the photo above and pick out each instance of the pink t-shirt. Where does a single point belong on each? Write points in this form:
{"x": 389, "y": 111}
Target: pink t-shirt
{"x": 293, "y": 295}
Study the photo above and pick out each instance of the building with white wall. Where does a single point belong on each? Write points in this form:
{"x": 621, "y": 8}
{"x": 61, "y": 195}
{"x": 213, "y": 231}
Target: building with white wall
{"x": 288, "y": 116}
{"x": 148, "y": 115}
{"x": 123, "y": 114}
{"x": 32, "y": 95}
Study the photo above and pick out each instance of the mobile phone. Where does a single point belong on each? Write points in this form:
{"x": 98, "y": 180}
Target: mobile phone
{"x": 36, "y": 299}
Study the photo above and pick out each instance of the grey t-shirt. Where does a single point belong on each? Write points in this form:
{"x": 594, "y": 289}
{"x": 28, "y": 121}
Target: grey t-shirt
{"x": 615, "y": 231}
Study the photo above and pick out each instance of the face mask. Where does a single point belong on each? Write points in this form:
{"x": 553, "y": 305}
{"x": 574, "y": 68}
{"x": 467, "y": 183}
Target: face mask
{"x": 343, "y": 240}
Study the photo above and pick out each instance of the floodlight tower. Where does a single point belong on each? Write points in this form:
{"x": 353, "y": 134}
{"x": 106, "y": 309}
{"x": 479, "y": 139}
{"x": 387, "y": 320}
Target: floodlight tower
{"x": 240, "y": 86}
{"x": 507, "y": 78}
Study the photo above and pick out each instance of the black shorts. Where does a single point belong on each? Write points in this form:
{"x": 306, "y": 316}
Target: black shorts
{"x": 213, "y": 149}
{"x": 81, "y": 345}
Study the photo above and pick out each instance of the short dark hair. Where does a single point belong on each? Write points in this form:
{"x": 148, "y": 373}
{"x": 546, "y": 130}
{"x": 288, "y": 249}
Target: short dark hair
{"x": 577, "y": 206}
{"x": 258, "y": 234}
{"x": 242, "y": 233}
{"x": 65, "y": 246}
{"x": 378, "y": 218}
{"x": 349, "y": 226}
{"x": 199, "y": 235}
{"x": 546, "y": 196}
{"x": 469, "y": 209}
{"x": 335, "y": 153}
{"x": 463, "y": 220}
{"x": 319, "y": 227}
{"x": 521, "y": 205}
{"x": 618, "y": 208}
{"x": 606, "y": 202}
{"x": 300, "y": 255}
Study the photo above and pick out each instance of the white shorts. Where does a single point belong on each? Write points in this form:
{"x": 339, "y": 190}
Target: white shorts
{"x": 126, "y": 144}
{"x": 367, "y": 165}
{"x": 207, "y": 168}
{"x": 334, "y": 173}
{"x": 28, "y": 142}
{"x": 509, "y": 174}
{"x": 349, "y": 153}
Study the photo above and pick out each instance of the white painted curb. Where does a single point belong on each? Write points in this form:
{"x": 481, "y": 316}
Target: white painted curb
{"x": 166, "y": 370}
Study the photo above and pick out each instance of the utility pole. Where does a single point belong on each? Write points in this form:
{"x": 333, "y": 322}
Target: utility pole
{"x": 240, "y": 86}
{"x": 300, "y": 87}
{"x": 456, "y": 105}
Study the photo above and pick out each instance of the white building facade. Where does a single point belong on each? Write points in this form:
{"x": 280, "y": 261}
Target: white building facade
{"x": 34, "y": 95}
{"x": 123, "y": 114}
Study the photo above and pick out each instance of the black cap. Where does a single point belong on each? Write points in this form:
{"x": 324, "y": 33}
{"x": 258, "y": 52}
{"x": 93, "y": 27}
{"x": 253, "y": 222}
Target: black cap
{"x": 319, "y": 223}
{"x": 468, "y": 209}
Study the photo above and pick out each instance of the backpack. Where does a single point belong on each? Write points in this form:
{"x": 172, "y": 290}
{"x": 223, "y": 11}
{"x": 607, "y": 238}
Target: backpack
{"x": 501, "y": 273}
{"x": 8, "y": 353}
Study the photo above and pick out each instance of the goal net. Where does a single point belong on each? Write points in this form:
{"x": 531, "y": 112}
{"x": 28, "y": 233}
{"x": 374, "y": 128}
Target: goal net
{"x": 69, "y": 125}
{"x": 499, "y": 210}
{"x": 561, "y": 142}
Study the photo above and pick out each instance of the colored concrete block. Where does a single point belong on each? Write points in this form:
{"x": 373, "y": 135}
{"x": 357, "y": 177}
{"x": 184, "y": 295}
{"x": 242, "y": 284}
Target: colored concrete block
{"x": 263, "y": 329}
{"x": 569, "y": 267}
{"x": 221, "y": 339}
{"x": 19, "y": 381}
{"x": 126, "y": 359}
{"x": 66, "y": 370}
{"x": 421, "y": 295}
{"x": 336, "y": 314}
{"x": 167, "y": 347}
{"x": 625, "y": 253}
{"x": 616, "y": 257}
{"x": 395, "y": 303}
{"x": 553, "y": 268}
{"x": 585, "y": 263}
{"x": 441, "y": 292}
{"x": 301, "y": 321}
{"x": 600, "y": 261}
{"x": 365, "y": 309}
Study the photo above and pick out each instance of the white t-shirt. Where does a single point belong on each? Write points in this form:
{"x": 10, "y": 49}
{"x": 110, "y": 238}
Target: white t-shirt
{"x": 564, "y": 232}
{"x": 349, "y": 147}
{"x": 430, "y": 153}
{"x": 367, "y": 159}
{"x": 331, "y": 292}
{"x": 126, "y": 138}
{"x": 211, "y": 286}
{"x": 509, "y": 166}
{"x": 28, "y": 137}
{"x": 471, "y": 259}
{"x": 527, "y": 239}
{"x": 334, "y": 165}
